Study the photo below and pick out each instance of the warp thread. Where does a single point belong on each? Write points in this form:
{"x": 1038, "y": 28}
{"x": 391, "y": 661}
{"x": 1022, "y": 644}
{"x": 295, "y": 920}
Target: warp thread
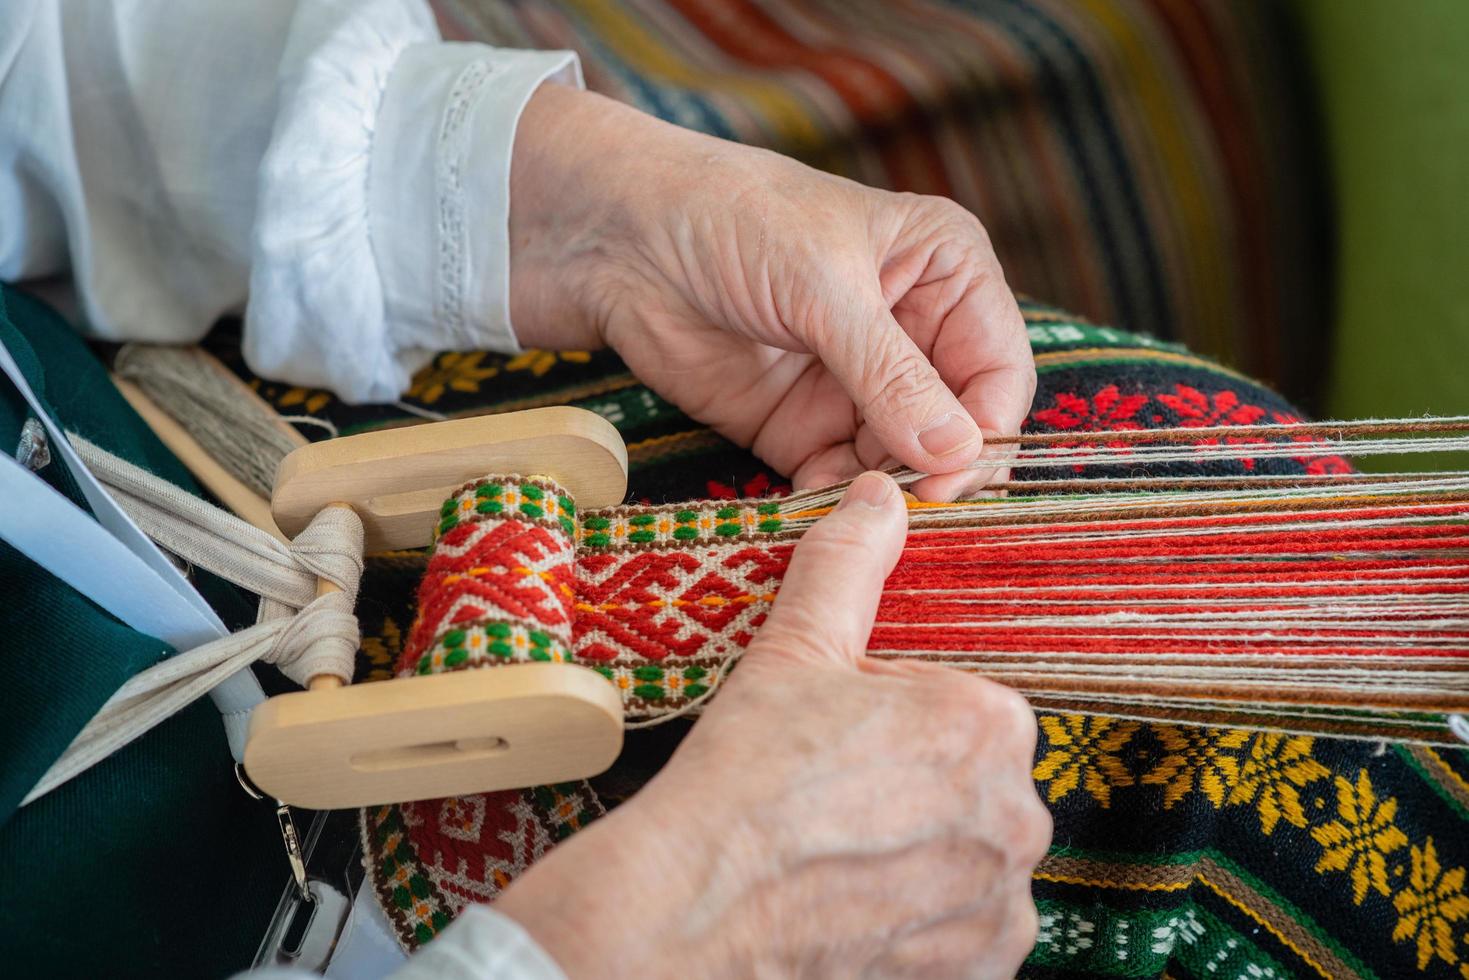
{"x": 1290, "y": 605}
{"x": 1275, "y": 602}
{"x": 243, "y": 434}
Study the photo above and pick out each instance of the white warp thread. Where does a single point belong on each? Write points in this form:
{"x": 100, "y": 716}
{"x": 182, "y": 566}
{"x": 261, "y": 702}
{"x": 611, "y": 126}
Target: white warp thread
{"x": 234, "y": 431}
{"x": 306, "y": 635}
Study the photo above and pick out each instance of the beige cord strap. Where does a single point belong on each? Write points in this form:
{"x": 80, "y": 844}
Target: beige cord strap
{"x": 302, "y": 633}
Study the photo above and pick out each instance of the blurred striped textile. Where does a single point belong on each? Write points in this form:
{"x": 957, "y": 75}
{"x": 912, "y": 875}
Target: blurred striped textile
{"x": 1147, "y": 163}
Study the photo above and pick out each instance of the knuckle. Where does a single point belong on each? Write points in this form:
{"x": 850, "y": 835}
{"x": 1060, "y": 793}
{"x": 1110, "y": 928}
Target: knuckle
{"x": 970, "y": 689}
{"x": 961, "y": 215}
{"x": 1003, "y": 709}
{"x": 1028, "y": 923}
{"x": 881, "y": 201}
{"x": 945, "y": 209}
{"x": 903, "y": 376}
{"x": 967, "y": 223}
{"x": 1028, "y": 376}
{"x": 974, "y": 710}
{"x": 1013, "y": 716}
{"x": 1023, "y": 826}
{"x": 950, "y": 706}
{"x": 1036, "y": 826}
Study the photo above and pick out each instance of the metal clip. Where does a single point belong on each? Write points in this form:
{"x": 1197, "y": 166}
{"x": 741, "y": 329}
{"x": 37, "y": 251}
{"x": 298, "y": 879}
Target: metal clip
{"x": 294, "y": 854}
{"x": 292, "y": 840}
{"x": 251, "y": 790}
{"x": 34, "y": 450}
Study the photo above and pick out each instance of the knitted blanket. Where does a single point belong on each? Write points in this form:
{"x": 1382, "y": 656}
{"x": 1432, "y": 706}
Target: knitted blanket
{"x": 1179, "y": 852}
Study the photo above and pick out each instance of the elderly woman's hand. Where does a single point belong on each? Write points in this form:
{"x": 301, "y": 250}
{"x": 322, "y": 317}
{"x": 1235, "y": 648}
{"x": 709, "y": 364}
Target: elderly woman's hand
{"x": 830, "y": 814}
{"x": 829, "y": 326}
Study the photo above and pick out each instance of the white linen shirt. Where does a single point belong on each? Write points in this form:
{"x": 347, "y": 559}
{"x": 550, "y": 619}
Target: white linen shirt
{"x": 331, "y": 167}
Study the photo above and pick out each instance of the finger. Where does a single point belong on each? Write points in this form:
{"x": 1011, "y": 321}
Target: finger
{"x": 966, "y": 484}
{"x": 970, "y": 484}
{"x": 870, "y": 451}
{"x": 997, "y": 395}
{"x": 829, "y": 595}
{"x": 899, "y": 393}
{"x": 964, "y": 317}
{"x": 992, "y": 468}
{"x": 977, "y": 341}
{"x": 834, "y": 464}
{"x": 812, "y": 415}
{"x": 983, "y": 352}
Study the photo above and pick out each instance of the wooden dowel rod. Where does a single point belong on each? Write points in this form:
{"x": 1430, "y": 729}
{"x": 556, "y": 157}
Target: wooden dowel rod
{"x": 325, "y": 682}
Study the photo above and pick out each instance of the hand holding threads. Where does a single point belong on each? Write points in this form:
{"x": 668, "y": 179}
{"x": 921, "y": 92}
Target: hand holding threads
{"x": 785, "y": 838}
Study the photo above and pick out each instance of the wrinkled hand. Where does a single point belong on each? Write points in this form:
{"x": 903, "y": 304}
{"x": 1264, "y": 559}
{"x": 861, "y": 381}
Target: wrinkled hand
{"x": 829, "y": 814}
{"x": 828, "y": 326}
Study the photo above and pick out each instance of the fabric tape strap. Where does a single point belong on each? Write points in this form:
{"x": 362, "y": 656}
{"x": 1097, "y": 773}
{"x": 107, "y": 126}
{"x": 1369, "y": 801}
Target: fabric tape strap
{"x": 110, "y": 561}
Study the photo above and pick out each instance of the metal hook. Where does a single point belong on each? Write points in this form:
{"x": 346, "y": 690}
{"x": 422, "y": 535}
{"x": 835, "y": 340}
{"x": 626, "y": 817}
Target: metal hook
{"x": 295, "y": 857}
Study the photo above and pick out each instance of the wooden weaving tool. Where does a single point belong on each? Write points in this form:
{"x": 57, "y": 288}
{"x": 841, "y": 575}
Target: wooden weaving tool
{"x": 430, "y": 736}
{"x": 335, "y": 746}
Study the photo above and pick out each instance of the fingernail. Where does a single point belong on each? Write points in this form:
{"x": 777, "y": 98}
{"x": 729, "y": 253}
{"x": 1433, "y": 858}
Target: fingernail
{"x": 946, "y": 434}
{"x": 870, "y": 490}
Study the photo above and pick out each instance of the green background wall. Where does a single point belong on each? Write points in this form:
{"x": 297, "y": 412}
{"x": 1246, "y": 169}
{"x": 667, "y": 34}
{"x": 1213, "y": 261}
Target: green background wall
{"x": 1393, "y": 80}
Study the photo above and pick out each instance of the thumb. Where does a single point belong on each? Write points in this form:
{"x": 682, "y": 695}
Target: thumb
{"x": 828, "y": 599}
{"x": 900, "y": 394}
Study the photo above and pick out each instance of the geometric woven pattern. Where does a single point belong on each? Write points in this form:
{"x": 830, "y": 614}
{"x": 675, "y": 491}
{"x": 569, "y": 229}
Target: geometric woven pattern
{"x": 660, "y": 622}
{"x": 649, "y": 584}
{"x": 499, "y": 586}
{"x": 426, "y": 860}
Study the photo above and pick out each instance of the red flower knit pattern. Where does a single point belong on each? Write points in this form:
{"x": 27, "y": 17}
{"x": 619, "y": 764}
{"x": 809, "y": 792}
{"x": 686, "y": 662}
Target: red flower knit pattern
{"x": 1186, "y": 407}
{"x": 1107, "y": 409}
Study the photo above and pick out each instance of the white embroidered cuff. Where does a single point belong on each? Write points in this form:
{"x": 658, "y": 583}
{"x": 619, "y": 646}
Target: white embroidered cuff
{"x": 382, "y": 227}
{"x": 481, "y": 944}
{"x": 439, "y": 190}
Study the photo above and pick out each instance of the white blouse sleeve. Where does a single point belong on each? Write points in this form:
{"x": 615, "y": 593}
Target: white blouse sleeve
{"x": 480, "y": 944}
{"x": 330, "y": 166}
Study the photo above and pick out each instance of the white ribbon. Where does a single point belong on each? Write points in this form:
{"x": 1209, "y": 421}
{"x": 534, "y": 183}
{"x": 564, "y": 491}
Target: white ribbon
{"x": 302, "y": 633}
{"x": 110, "y": 558}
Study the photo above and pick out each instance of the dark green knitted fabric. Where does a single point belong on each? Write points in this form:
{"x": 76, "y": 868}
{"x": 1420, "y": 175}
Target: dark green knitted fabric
{"x": 154, "y": 863}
